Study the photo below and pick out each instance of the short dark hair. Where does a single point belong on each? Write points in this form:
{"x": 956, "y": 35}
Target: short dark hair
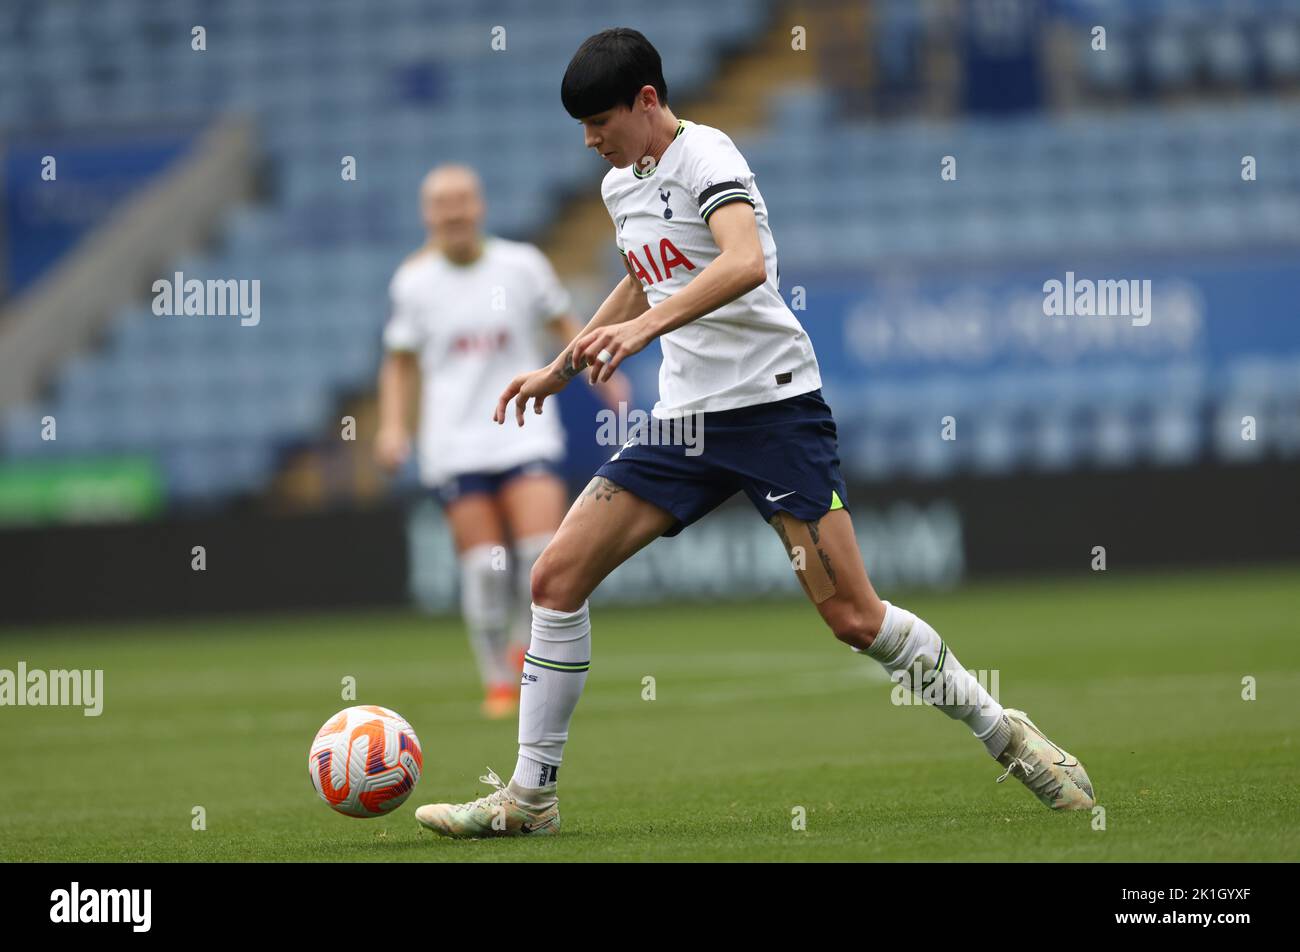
{"x": 608, "y": 70}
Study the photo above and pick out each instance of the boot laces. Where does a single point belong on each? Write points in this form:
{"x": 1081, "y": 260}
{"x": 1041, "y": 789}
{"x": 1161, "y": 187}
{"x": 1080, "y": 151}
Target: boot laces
{"x": 1025, "y": 767}
{"x": 497, "y": 797}
{"x": 1041, "y": 781}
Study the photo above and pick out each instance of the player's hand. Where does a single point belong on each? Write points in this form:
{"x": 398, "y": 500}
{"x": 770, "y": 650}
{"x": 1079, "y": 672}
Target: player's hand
{"x": 392, "y": 448}
{"x": 536, "y": 385}
{"x": 616, "y": 342}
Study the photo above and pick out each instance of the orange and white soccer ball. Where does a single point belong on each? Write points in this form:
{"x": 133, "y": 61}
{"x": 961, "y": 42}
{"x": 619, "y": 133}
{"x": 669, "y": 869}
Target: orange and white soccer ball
{"x": 365, "y": 761}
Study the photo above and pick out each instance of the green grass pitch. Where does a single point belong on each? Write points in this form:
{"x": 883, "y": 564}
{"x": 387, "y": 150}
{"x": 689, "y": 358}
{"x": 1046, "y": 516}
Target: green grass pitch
{"x": 758, "y": 711}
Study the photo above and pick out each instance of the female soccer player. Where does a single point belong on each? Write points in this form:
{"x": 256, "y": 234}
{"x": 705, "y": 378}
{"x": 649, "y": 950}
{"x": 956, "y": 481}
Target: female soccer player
{"x": 466, "y": 307}
{"x": 702, "y": 278}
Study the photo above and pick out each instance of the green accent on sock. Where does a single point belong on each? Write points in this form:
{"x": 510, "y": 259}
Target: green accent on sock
{"x": 574, "y": 666}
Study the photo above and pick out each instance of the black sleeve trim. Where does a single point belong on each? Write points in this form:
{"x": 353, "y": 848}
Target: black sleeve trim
{"x": 728, "y": 201}
{"x": 715, "y": 188}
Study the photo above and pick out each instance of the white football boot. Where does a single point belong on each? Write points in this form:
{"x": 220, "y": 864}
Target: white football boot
{"x": 1051, "y": 774}
{"x": 500, "y": 813}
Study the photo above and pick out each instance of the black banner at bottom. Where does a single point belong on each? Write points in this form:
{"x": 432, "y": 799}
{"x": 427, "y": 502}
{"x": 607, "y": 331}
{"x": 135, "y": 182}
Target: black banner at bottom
{"x": 938, "y": 903}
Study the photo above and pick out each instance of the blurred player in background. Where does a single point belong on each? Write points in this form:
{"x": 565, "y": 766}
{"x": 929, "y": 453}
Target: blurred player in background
{"x": 703, "y": 278}
{"x": 468, "y": 309}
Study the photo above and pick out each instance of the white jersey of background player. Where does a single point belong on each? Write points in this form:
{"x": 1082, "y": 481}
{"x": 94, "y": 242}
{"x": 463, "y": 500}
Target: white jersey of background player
{"x": 467, "y": 323}
{"x": 466, "y": 310}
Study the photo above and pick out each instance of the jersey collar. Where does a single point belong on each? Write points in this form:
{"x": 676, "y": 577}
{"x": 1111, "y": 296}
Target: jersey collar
{"x": 681, "y": 127}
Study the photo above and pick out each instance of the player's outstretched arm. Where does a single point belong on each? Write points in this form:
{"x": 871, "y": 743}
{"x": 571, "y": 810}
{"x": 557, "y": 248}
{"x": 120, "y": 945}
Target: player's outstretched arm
{"x": 623, "y": 304}
{"x": 738, "y": 269}
{"x": 535, "y": 385}
{"x": 618, "y": 389}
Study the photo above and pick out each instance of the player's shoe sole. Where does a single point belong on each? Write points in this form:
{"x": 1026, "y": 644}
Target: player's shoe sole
{"x": 498, "y": 814}
{"x": 1051, "y": 773}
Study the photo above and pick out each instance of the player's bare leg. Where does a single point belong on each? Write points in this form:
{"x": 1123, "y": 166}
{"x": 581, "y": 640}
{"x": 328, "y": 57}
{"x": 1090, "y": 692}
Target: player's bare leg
{"x": 479, "y": 535}
{"x": 825, "y": 555}
{"x": 604, "y": 527}
{"x": 475, "y": 520}
{"x": 533, "y": 507}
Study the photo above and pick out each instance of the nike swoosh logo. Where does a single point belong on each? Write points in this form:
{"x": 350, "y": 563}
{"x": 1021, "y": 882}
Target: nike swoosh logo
{"x": 1060, "y": 753}
{"x": 770, "y": 498}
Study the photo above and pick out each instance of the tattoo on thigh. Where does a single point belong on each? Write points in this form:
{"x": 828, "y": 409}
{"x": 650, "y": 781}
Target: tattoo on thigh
{"x": 600, "y": 488}
{"x": 826, "y": 563}
{"x": 815, "y": 530}
{"x": 798, "y": 536}
{"x": 779, "y": 525}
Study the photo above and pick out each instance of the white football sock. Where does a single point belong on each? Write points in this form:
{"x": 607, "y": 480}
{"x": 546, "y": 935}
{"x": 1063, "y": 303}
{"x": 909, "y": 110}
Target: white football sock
{"x": 527, "y": 551}
{"x": 555, "y": 670}
{"x": 906, "y": 640}
{"x": 485, "y": 603}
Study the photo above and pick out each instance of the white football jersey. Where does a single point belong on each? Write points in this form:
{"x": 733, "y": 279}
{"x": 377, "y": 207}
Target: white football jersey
{"x": 748, "y": 352}
{"x": 475, "y": 327}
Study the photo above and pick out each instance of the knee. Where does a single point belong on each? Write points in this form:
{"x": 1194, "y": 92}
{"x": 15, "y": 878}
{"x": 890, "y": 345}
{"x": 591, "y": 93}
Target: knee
{"x": 552, "y": 586}
{"x": 855, "y": 625}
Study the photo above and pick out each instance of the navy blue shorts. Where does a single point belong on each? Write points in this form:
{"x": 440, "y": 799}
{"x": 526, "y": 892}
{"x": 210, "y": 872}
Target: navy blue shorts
{"x": 782, "y": 455}
{"x": 466, "y": 484}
